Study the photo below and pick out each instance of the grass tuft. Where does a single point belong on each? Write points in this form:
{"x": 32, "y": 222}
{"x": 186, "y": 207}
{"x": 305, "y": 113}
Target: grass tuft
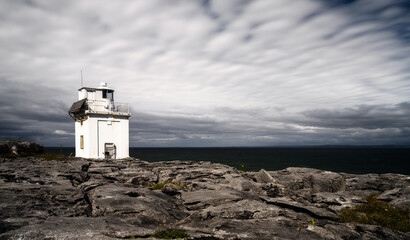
{"x": 47, "y": 156}
{"x": 160, "y": 185}
{"x": 170, "y": 234}
{"x": 157, "y": 186}
{"x": 377, "y": 212}
{"x": 50, "y": 156}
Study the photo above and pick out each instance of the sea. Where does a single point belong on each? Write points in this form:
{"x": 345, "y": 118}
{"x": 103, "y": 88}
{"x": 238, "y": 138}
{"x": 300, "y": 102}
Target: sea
{"x": 357, "y": 160}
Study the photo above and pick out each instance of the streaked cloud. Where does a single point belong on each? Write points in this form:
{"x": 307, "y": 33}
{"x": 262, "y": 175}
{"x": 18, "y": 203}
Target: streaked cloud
{"x": 211, "y": 73}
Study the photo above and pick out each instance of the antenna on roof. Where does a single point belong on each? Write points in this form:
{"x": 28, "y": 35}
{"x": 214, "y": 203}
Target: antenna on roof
{"x": 81, "y": 78}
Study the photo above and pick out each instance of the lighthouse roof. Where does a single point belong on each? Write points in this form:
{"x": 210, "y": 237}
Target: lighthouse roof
{"x": 96, "y": 88}
{"x": 77, "y": 108}
{"x": 103, "y": 86}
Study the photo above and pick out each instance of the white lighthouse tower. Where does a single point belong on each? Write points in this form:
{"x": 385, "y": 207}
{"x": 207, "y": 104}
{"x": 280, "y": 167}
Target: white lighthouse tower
{"x": 101, "y": 125}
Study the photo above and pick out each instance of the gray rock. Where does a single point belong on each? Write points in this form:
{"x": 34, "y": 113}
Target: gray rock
{"x": 139, "y": 177}
{"x": 109, "y": 199}
{"x": 264, "y": 177}
{"x": 310, "y": 179}
{"x": 335, "y": 201}
{"x": 324, "y": 182}
{"x": 314, "y": 212}
{"x": 172, "y": 189}
{"x": 200, "y": 198}
{"x": 141, "y": 204}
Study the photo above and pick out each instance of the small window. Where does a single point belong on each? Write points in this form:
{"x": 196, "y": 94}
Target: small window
{"x": 81, "y": 123}
{"x": 108, "y": 94}
{"x": 82, "y": 142}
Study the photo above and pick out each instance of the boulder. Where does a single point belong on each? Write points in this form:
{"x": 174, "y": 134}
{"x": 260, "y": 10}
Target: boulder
{"x": 324, "y": 182}
{"x": 264, "y": 177}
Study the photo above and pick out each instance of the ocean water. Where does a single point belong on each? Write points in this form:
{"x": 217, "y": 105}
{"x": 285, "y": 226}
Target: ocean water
{"x": 360, "y": 160}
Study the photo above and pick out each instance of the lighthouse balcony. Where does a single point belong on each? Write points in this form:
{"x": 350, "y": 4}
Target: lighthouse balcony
{"x": 107, "y": 107}
{"x": 85, "y": 106}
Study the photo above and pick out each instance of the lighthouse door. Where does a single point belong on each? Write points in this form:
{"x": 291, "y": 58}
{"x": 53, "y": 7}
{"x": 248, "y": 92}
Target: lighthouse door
{"x": 110, "y": 151}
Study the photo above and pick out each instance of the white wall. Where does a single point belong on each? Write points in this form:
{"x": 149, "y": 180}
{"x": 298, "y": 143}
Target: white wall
{"x": 100, "y": 129}
{"x": 78, "y": 132}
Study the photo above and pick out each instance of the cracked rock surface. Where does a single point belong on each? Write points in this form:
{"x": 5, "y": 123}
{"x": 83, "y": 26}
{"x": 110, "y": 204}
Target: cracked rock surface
{"x": 110, "y": 199}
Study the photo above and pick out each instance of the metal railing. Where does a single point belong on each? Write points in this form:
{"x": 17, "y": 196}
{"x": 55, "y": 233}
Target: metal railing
{"x": 103, "y": 106}
{"x": 121, "y": 107}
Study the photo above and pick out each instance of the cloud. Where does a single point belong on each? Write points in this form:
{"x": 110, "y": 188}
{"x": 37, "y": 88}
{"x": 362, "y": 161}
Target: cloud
{"x": 211, "y": 73}
{"x": 363, "y": 124}
{"x": 62, "y": 132}
{"x": 363, "y": 116}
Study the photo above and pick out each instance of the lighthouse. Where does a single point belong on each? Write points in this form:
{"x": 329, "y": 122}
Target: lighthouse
{"x": 101, "y": 124}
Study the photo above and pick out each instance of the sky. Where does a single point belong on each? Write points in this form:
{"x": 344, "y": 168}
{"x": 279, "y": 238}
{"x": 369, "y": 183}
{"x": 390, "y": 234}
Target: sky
{"x": 201, "y": 73}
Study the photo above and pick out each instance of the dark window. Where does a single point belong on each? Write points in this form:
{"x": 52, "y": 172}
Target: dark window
{"x": 108, "y": 94}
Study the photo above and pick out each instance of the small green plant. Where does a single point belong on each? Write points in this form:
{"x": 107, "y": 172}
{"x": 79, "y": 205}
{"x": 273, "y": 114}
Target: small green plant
{"x": 171, "y": 234}
{"x": 50, "y": 156}
{"x": 377, "y": 212}
{"x": 299, "y": 229}
{"x": 157, "y": 186}
{"x": 47, "y": 156}
{"x": 313, "y": 222}
{"x": 160, "y": 185}
{"x": 242, "y": 169}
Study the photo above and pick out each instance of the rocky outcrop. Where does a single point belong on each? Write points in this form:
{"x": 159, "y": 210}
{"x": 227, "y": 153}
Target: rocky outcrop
{"x": 115, "y": 199}
{"x": 20, "y": 148}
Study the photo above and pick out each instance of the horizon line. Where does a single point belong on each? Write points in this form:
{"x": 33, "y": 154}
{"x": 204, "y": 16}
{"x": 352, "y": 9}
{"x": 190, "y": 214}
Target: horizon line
{"x": 281, "y": 146}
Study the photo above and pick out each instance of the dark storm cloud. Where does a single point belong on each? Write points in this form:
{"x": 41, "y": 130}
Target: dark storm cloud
{"x": 375, "y": 124}
{"x": 153, "y": 129}
{"x": 32, "y": 102}
{"x": 33, "y": 112}
{"x": 163, "y": 123}
{"x": 363, "y": 116}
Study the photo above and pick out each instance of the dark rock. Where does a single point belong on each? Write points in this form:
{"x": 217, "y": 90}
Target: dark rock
{"x": 20, "y": 148}
{"x": 172, "y": 189}
{"x": 271, "y": 190}
{"x": 140, "y": 177}
{"x": 4, "y": 149}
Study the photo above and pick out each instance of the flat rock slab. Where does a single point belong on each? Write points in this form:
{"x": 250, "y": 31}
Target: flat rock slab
{"x": 211, "y": 197}
{"x": 142, "y": 204}
{"x": 79, "y": 228}
{"x": 315, "y": 212}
